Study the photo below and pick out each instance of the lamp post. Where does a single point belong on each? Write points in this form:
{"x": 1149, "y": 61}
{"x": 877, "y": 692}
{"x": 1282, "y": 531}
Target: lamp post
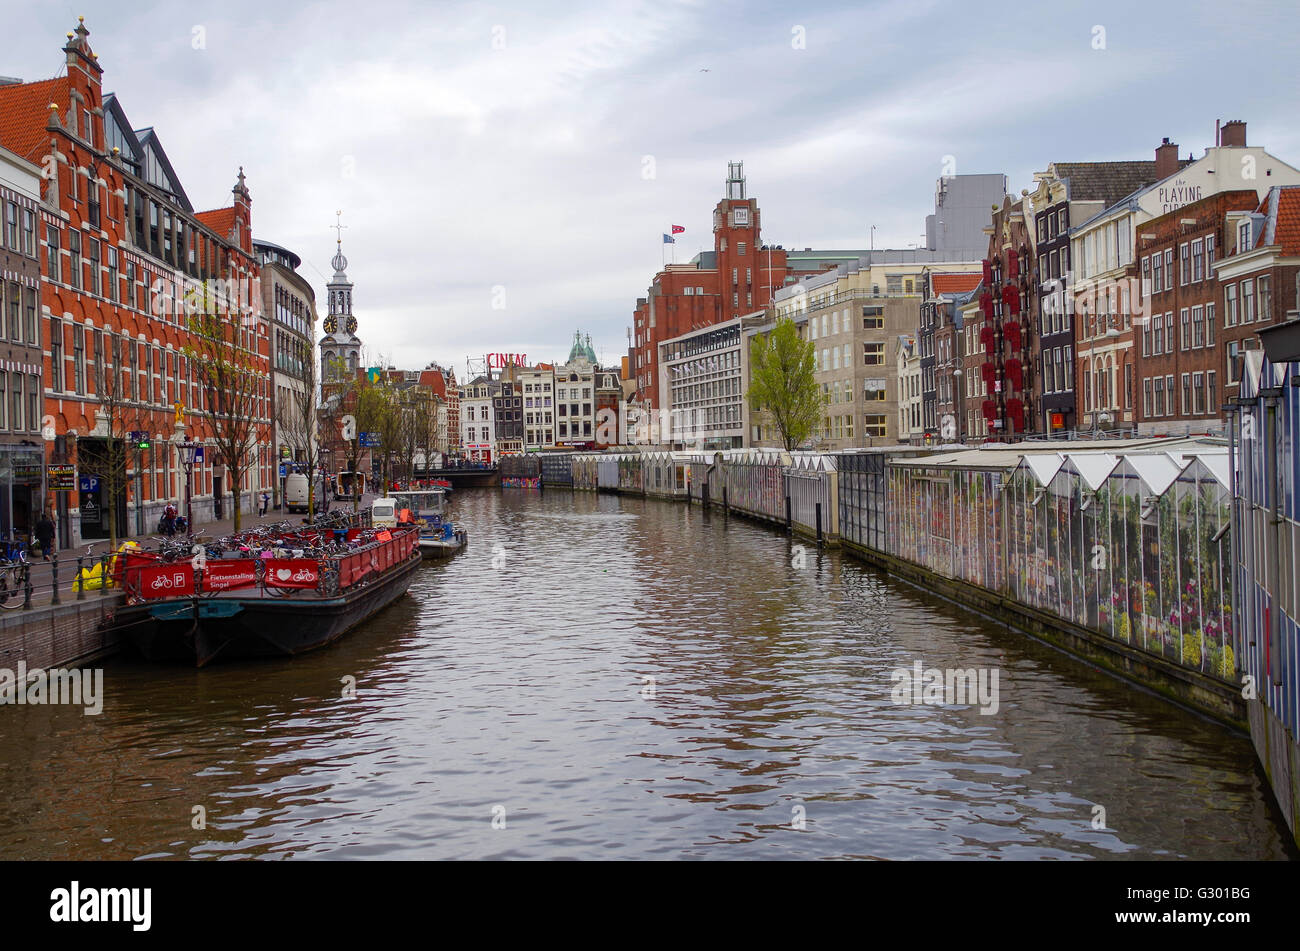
{"x": 189, "y": 451}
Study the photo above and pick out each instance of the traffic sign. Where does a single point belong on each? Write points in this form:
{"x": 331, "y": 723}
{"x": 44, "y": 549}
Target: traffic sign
{"x": 89, "y": 483}
{"x": 284, "y": 470}
{"x": 369, "y": 440}
{"x": 198, "y": 454}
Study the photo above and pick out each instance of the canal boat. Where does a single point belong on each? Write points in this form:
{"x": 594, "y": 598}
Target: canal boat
{"x": 278, "y": 601}
{"x": 439, "y": 538}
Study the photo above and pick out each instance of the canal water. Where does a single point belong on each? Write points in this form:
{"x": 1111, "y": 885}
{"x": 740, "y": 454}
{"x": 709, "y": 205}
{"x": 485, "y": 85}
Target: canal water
{"x": 598, "y": 677}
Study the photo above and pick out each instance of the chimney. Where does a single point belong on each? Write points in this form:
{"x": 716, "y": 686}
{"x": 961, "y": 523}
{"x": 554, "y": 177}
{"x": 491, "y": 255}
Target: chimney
{"x": 1234, "y": 134}
{"x": 1166, "y": 159}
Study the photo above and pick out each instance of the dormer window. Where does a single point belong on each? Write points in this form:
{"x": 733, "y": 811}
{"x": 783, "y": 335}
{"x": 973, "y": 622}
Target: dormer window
{"x": 1243, "y": 236}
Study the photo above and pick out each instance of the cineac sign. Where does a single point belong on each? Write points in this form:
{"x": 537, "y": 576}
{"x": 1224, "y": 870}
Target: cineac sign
{"x": 499, "y": 361}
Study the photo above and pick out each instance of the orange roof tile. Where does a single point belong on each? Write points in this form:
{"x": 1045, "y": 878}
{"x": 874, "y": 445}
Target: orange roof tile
{"x": 220, "y": 220}
{"x": 1287, "y": 230}
{"x": 954, "y": 283}
{"x": 24, "y": 111}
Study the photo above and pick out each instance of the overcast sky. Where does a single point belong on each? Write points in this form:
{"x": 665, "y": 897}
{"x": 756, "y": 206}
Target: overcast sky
{"x": 474, "y": 146}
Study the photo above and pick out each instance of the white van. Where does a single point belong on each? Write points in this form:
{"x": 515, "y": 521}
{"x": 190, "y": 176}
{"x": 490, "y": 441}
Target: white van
{"x": 383, "y": 513}
{"x": 296, "y": 492}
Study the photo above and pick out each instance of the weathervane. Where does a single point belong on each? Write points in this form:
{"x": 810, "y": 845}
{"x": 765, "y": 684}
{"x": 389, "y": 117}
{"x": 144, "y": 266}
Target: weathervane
{"x": 339, "y": 226}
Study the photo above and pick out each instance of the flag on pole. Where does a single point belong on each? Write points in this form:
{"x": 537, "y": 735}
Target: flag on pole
{"x": 668, "y": 240}
{"x": 678, "y": 229}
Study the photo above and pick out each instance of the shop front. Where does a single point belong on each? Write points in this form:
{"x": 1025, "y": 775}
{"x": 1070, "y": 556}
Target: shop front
{"x": 20, "y": 491}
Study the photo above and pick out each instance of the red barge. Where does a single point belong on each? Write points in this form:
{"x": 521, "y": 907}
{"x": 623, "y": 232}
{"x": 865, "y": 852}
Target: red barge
{"x": 262, "y": 604}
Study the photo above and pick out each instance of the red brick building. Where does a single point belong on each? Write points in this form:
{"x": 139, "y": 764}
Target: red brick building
{"x": 1258, "y": 276}
{"x": 737, "y": 277}
{"x": 121, "y": 248}
{"x": 1003, "y": 328}
{"x": 1180, "y": 367}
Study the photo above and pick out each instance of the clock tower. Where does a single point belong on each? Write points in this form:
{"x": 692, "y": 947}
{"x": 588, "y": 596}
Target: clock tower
{"x": 340, "y": 348}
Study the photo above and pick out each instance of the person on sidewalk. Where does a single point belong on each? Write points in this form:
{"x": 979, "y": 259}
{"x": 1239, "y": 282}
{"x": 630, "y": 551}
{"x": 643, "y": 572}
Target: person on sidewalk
{"x": 169, "y": 520}
{"x": 45, "y": 535}
{"x": 266, "y": 501}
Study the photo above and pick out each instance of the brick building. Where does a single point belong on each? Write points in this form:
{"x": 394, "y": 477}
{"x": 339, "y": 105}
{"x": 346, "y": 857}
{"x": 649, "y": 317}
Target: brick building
{"x": 122, "y": 251}
{"x": 1179, "y": 362}
{"x": 737, "y": 277}
{"x": 1258, "y": 276}
{"x": 1067, "y": 192}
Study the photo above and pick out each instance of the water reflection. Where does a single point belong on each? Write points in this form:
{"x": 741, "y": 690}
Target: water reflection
{"x": 632, "y": 679}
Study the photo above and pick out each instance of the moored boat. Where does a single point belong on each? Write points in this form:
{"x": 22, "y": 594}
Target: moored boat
{"x": 265, "y": 606}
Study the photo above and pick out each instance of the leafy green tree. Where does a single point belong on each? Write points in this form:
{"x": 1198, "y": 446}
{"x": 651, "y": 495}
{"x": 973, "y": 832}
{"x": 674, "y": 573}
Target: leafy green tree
{"x": 782, "y": 387}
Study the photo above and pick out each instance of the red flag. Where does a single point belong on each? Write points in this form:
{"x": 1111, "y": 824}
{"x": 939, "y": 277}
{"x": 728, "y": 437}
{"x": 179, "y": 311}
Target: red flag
{"x": 678, "y": 229}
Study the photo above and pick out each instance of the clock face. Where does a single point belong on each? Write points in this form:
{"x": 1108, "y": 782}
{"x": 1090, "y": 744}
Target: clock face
{"x": 331, "y": 324}
{"x": 351, "y": 325}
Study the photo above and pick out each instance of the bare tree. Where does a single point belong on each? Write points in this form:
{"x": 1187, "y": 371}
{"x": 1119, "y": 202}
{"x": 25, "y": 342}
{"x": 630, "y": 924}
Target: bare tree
{"x": 224, "y": 354}
{"x": 298, "y": 420}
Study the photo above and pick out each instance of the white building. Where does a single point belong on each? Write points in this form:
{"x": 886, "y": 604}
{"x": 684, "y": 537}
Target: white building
{"x": 911, "y": 425}
{"x": 477, "y": 420}
{"x": 702, "y": 386}
{"x": 537, "y": 386}
{"x": 575, "y": 397}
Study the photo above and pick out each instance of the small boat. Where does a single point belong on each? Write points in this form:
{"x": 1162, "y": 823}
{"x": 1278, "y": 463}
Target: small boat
{"x": 421, "y": 509}
{"x": 440, "y": 539}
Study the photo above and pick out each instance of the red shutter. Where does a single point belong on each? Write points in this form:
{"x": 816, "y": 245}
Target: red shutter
{"x": 1011, "y": 333}
{"x": 988, "y": 272}
{"x": 1013, "y": 265}
{"x": 986, "y": 304}
{"x": 1012, "y": 369}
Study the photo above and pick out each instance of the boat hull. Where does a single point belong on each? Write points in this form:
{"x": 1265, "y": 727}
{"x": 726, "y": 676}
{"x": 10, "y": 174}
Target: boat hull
{"x": 235, "y": 628}
{"x": 437, "y": 549}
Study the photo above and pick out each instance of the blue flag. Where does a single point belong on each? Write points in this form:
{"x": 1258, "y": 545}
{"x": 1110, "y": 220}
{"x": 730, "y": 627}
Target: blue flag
{"x": 669, "y": 240}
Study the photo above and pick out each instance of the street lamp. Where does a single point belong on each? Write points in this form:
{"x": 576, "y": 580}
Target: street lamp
{"x": 189, "y": 452}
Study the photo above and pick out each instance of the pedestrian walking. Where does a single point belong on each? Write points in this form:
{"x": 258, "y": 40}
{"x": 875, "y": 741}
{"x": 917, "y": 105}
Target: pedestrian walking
{"x": 45, "y": 535}
{"x": 266, "y": 501}
{"x": 169, "y": 520}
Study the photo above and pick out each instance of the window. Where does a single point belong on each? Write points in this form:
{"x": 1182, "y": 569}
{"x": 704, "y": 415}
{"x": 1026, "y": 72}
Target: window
{"x": 16, "y": 402}
{"x": 14, "y": 293}
{"x": 32, "y": 337}
{"x": 1169, "y": 269}
{"x": 1157, "y": 273}
{"x": 1265, "y": 298}
{"x": 56, "y": 355}
{"x": 11, "y": 225}
{"x": 74, "y": 258}
{"x": 1187, "y": 393}
{"x": 1243, "y": 237}
{"x": 874, "y": 425}
{"x": 110, "y": 254}
{"x": 52, "y": 259}
{"x": 1211, "y": 385}
{"x": 1247, "y": 301}
{"x": 1169, "y": 391}
{"x": 93, "y": 285}
{"x": 1198, "y": 393}
{"x": 1198, "y": 327}
{"x": 873, "y": 354}
{"x": 1209, "y": 254}
{"x": 29, "y": 233}
{"x": 1184, "y": 263}
{"x": 1198, "y": 259}
{"x": 78, "y": 359}
{"x": 1157, "y": 336}
{"x": 1209, "y": 325}
{"x": 740, "y": 248}
{"x": 1160, "y": 396}
{"x": 1185, "y": 327}
{"x": 1147, "y": 402}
